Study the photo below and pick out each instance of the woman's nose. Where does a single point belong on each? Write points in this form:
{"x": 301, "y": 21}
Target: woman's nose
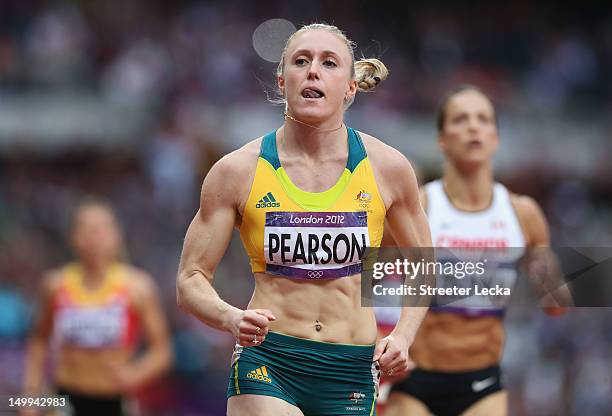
{"x": 313, "y": 71}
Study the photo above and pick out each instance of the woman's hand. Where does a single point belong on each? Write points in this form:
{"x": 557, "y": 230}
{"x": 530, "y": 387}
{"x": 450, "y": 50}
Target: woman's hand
{"x": 250, "y": 327}
{"x": 126, "y": 377}
{"x": 391, "y": 352}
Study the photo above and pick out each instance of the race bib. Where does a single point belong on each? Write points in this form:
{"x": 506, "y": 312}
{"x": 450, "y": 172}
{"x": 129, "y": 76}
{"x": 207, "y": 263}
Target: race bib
{"x": 91, "y": 327}
{"x": 315, "y": 245}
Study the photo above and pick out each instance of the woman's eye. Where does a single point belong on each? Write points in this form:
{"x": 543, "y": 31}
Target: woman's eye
{"x": 330, "y": 63}
{"x": 300, "y": 61}
{"x": 460, "y": 119}
{"x": 484, "y": 119}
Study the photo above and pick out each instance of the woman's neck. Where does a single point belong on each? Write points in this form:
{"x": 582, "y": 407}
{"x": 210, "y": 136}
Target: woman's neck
{"x": 316, "y": 142}
{"x": 94, "y": 271}
{"x": 469, "y": 190}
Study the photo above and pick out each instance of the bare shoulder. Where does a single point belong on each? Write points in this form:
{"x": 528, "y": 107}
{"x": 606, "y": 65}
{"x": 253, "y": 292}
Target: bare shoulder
{"x": 229, "y": 180}
{"x": 239, "y": 162}
{"x": 140, "y": 283}
{"x": 532, "y": 220}
{"x": 525, "y": 206}
{"x": 383, "y": 156}
{"x": 51, "y": 281}
{"x": 394, "y": 174}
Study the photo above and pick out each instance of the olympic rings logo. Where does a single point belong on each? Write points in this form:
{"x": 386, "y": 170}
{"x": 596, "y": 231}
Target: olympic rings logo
{"x": 315, "y": 274}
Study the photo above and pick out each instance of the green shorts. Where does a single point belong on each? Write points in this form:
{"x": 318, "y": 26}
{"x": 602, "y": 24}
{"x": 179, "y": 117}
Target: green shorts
{"x": 320, "y": 378}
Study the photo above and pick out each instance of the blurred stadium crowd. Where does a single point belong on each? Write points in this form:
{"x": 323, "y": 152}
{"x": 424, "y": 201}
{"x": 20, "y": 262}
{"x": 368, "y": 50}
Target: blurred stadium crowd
{"x": 134, "y": 100}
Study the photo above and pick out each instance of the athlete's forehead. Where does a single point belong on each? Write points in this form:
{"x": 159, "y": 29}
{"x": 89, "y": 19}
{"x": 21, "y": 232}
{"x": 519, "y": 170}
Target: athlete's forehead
{"x": 319, "y": 42}
{"x": 94, "y": 214}
{"x": 309, "y": 52}
{"x": 94, "y": 210}
{"x": 469, "y": 101}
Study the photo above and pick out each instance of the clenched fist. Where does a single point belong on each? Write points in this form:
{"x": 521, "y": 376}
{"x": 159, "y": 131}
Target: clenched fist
{"x": 250, "y": 327}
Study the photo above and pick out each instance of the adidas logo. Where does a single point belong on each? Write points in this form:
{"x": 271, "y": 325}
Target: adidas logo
{"x": 260, "y": 374}
{"x": 268, "y": 201}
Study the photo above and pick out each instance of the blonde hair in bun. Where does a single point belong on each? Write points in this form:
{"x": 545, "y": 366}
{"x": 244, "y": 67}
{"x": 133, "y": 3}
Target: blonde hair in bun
{"x": 367, "y": 72}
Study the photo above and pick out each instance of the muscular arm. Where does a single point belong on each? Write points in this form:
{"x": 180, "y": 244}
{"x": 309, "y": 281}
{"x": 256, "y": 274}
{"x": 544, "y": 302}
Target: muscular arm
{"x": 409, "y": 228}
{"x": 543, "y": 262}
{"x": 208, "y": 236}
{"x": 406, "y": 225}
{"x": 205, "y": 244}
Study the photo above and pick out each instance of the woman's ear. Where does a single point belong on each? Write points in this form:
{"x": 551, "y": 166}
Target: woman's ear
{"x": 350, "y": 93}
{"x": 281, "y": 84}
{"x": 442, "y": 143}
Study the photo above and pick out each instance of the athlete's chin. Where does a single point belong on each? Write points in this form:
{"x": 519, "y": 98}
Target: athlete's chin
{"x": 96, "y": 256}
{"x": 312, "y": 115}
{"x": 471, "y": 162}
{"x": 475, "y": 157}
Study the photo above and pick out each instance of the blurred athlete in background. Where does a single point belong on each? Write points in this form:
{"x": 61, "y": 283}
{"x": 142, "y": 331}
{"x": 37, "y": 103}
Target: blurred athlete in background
{"x": 458, "y": 349}
{"x": 93, "y": 311}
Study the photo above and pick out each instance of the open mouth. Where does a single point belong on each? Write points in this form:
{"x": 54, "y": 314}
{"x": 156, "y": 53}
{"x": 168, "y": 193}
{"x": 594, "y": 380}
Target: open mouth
{"x": 312, "y": 93}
